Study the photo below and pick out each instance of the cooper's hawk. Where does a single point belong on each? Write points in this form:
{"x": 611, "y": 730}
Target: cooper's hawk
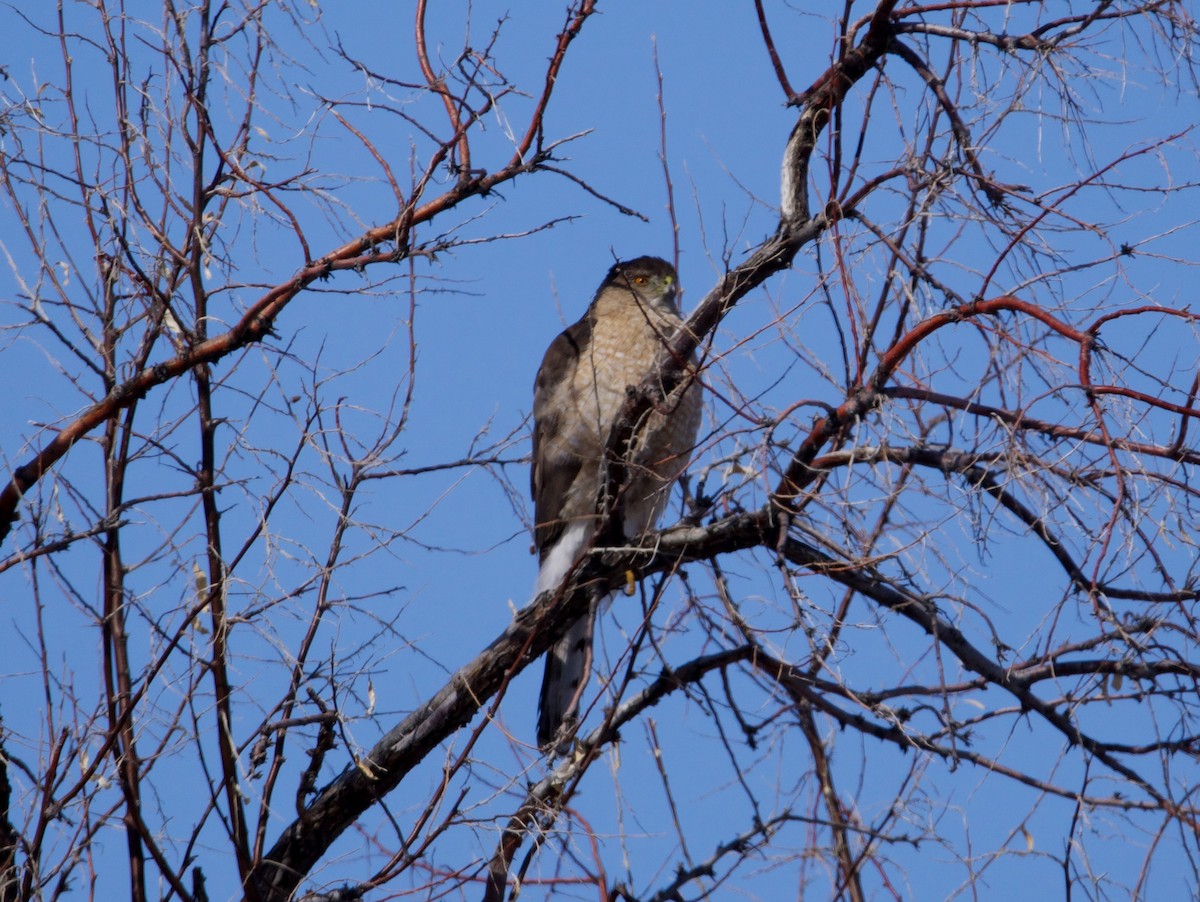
{"x": 579, "y": 392}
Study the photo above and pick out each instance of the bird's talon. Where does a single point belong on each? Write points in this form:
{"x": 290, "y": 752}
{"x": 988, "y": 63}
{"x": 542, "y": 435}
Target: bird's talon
{"x": 630, "y": 582}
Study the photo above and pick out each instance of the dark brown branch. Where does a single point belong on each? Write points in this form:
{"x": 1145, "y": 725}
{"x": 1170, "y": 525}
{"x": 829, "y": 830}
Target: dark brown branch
{"x": 924, "y": 614}
{"x": 962, "y": 135}
{"x": 972, "y": 467}
{"x": 1053, "y": 430}
{"x": 339, "y": 804}
{"x": 896, "y": 734}
{"x": 548, "y": 796}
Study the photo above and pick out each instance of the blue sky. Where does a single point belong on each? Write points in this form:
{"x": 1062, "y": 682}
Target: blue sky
{"x": 455, "y": 559}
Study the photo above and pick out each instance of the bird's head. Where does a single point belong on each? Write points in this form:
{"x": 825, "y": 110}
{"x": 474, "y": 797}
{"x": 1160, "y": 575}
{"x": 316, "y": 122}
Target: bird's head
{"x": 651, "y": 279}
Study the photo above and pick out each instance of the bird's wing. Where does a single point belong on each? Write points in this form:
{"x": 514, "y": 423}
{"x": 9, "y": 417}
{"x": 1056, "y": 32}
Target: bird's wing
{"x": 555, "y": 418}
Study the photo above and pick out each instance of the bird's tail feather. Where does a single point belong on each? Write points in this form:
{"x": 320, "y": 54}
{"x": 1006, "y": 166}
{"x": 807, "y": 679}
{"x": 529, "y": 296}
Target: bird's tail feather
{"x": 568, "y": 664}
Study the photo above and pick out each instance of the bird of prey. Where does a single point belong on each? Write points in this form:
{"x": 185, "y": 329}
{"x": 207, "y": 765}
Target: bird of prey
{"x": 579, "y": 392}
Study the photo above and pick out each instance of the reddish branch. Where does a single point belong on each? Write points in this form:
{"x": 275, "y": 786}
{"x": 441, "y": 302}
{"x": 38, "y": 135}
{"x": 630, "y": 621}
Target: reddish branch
{"x": 437, "y": 84}
{"x": 769, "y": 43}
{"x": 257, "y": 322}
{"x": 828, "y": 429}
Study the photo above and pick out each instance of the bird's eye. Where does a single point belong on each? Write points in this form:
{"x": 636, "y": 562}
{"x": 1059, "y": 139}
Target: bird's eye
{"x": 640, "y": 280}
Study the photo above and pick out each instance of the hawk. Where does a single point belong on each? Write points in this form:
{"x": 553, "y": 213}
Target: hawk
{"x": 579, "y": 391}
